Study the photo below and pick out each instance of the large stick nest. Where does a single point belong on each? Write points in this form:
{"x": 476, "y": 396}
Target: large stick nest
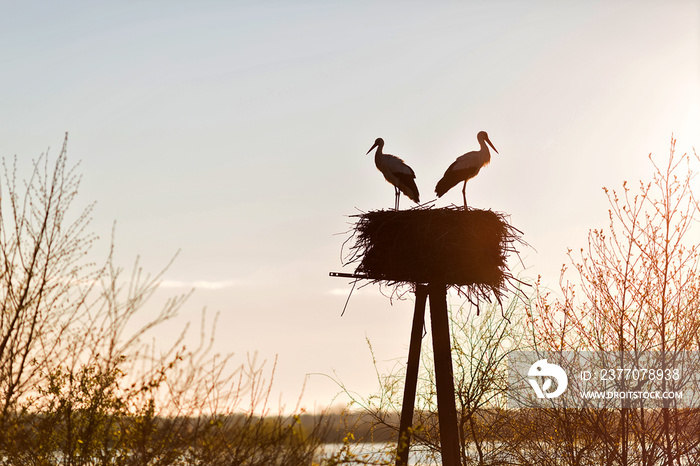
{"x": 465, "y": 249}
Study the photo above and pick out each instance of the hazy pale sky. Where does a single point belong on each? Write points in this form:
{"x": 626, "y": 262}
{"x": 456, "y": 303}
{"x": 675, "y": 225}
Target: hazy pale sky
{"x": 236, "y": 132}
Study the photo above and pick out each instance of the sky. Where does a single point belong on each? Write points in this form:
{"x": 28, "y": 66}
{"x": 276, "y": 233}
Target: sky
{"x": 236, "y": 132}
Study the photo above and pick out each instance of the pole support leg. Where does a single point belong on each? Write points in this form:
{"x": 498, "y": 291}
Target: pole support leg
{"x": 444, "y": 378}
{"x": 409, "y": 391}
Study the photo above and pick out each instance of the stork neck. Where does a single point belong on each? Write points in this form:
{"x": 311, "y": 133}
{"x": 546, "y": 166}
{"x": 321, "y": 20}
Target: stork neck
{"x": 483, "y": 147}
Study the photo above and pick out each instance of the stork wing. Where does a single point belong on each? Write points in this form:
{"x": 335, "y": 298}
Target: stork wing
{"x": 398, "y": 166}
{"x": 407, "y": 185}
{"x": 399, "y": 174}
{"x": 461, "y": 169}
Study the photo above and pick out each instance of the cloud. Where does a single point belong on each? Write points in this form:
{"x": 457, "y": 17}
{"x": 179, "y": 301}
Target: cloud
{"x": 346, "y": 291}
{"x": 339, "y": 291}
{"x": 200, "y": 284}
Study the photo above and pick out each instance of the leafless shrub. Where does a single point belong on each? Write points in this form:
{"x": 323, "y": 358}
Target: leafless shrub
{"x": 78, "y": 383}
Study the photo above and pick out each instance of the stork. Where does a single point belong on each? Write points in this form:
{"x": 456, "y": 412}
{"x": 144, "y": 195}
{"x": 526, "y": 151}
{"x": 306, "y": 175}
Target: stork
{"x": 466, "y": 167}
{"x": 396, "y": 172}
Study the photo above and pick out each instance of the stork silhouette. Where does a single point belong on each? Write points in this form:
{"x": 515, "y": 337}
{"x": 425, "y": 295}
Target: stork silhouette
{"x": 466, "y": 167}
{"x": 396, "y": 172}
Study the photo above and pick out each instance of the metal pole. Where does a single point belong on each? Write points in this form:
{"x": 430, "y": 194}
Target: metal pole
{"x": 409, "y": 391}
{"x": 444, "y": 379}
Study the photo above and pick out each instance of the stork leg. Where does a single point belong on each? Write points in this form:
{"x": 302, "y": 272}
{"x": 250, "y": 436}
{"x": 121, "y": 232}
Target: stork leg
{"x": 396, "y": 201}
{"x": 464, "y": 194}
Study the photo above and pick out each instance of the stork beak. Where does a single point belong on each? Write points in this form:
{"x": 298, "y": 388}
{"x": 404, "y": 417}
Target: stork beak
{"x": 490, "y": 144}
{"x": 375, "y": 145}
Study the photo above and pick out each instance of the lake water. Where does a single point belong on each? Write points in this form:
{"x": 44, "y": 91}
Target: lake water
{"x": 376, "y": 452}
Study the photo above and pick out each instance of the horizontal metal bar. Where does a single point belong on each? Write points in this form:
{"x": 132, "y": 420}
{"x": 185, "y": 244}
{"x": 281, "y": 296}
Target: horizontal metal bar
{"x": 347, "y": 275}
